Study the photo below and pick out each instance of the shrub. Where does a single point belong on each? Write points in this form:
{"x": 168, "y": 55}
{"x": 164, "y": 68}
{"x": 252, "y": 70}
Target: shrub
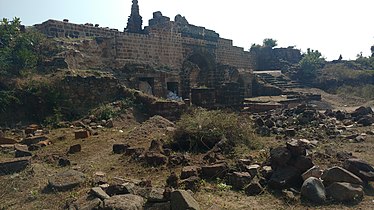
{"x": 202, "y": 129}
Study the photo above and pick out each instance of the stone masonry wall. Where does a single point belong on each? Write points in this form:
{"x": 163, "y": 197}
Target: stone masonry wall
{"x": 158, "y": 47}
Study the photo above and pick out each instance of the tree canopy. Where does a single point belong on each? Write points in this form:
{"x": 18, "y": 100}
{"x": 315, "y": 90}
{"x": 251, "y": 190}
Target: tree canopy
{"x": 21, "y": 50}
{"x": 311, "y": 61}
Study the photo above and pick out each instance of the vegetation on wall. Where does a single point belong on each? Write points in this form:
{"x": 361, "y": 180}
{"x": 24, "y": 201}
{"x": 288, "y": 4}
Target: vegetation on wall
{"x": 21, "y": 49}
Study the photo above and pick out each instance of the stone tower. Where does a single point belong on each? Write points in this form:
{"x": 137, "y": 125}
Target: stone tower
{"x": 134, "y": 23}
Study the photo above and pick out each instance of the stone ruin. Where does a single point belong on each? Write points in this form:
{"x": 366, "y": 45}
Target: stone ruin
{"x": 167, "y": 58}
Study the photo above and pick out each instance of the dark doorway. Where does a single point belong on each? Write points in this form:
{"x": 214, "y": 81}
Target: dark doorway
{"x": 173, "y": 87}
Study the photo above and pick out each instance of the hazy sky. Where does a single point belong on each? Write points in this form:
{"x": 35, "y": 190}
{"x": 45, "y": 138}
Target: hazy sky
{"x": 333, "y": 27}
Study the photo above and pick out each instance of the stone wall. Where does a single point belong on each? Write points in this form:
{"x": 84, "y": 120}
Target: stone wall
{"x": 84, "y": 93}
{"x": 157, "y": 46}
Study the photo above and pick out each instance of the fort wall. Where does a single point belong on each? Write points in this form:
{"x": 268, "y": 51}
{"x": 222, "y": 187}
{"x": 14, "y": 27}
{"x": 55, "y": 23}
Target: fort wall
{"x": 158, "y": 47}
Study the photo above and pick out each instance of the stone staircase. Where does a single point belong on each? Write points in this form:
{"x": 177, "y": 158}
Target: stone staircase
{"x": 280, "y": 81}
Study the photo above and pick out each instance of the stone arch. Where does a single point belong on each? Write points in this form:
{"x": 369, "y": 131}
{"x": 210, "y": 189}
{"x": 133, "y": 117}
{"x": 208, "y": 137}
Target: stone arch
{"x": 198, "y": 71}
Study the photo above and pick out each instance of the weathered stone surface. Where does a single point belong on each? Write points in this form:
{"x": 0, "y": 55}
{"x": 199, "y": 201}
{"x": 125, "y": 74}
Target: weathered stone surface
{"x": 124, "y": 202}
{"x": 238, "y": 180}
{"x": 75, "y": 149}
{"x": 285, "y": 177}
{"x": 155, "y": 158}
{"x": 172, "y": 180}
{"x": 81, "y": 134}
{"x": 33, "y": 140}
{"x": 338, "y": 174}
{"x": 22, "y": 150}
{"x": 342, "y": 191}
{"x": 303, "y": 163}
{"x": 120, "y": 148}
{"x": 192, "y": 183}
{"x": 63, "y": 162}
{"x": 252, "y": 169}
{"x": 315, "y": 171}
{"x": 158, "y": 206}
{"x": 290, "y": 132}
{"x": 214, "y": 171}
{"x": 313, "y": 190}
{"x": 181, "y": 199}
{"x": 279, "y": 156}
{"x": 253, "y": 188}
{"x": 14, "y": 165}
{"x": 296, "y": 147}
{"x": 66, "y": 180}
{"x": 360, "y": 168}
{"x": 86, "y": 204}
{"x": 100, "y": 193}
{"x": 4, "y": 140}
{"x": 189, "y": 171}
{"x": 151, "y": 194}
{"x": 266, "y": 172}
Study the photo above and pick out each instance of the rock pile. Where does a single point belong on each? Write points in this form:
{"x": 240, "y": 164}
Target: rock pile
{"x": 125, "y": 194}
{"x": 307, "y": 122}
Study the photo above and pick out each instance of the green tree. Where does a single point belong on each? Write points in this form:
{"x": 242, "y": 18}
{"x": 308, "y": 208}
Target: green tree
{"x": 312, "y": 61}
{"x": 21, "y": 50}
{"x": 268, "y": 42}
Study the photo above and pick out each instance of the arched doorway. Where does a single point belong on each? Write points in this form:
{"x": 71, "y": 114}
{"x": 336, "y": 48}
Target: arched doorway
{"x": 198, "y": 72}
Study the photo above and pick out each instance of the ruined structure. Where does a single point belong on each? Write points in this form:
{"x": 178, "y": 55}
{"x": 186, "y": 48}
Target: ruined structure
{"x": 183, "y": 56}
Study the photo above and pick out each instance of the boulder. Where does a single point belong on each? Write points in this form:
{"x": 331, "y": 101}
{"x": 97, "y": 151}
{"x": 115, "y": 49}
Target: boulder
{"x": 360, "y": 168}
{"x": 290, "y": 132}
{"x": 182, "y": 200}
{"x": 151, "y": 194}
{"x": 361, "y": 111}
{"x": 254, "y": 188}
{"x": 81, "y": 134}
{"x": 66, "y": 180}
{"x": 120, "y": 148}
{"x": 296, "y": 147}
{"x": 315, "y": 171}
{"x": 158, "y": 206}
{"x": 4, "y": 140}
{"x": 33, "y": 140}
{"x": 238, "y": 180}
{"x": 345, "y": 192}
{"x": 75, "y": 149}
{"x": 303, "y": 163}
{"x": 338, "y": 174}
{"x": 155, "y": 158}
{"x": 99, "y": 192}
{"x": 214, "y": 171}
{"x": 63, "y": 162}
{"x": 313, "y": 190}
{"x": 285, "y": 177}
{"x": 14, "y": 165}
{"x": 192, "y": 183}
{"x": 252, "y": 169}
{"x": 22, "y": 151}
{"x": 189, "y": 171}
{"x": 266, "y": 172}
{"x": 124, "y": 202}
{"x": 172, "y": 180}
{"x": 279, "y": 157}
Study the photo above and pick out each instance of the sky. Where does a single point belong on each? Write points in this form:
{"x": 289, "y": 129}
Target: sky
{"x": 332, "y": 27}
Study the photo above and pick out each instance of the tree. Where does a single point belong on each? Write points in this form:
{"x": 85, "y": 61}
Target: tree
{"x": 21, "y": 50}
{"x": 311, "y": 61}
{"x": 372, "y": 51}
{"x": 268, "y": 42}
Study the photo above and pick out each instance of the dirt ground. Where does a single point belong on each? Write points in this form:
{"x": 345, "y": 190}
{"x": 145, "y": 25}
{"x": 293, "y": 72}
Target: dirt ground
{"x": 27, "y": 189}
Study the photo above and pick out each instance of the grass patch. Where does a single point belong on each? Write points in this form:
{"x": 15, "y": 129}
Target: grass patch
{"x": 365, "y": 91}
{"x": 201, "y": 129}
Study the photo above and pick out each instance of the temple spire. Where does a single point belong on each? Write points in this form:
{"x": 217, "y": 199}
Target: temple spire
{"x": 134, "y": 23}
